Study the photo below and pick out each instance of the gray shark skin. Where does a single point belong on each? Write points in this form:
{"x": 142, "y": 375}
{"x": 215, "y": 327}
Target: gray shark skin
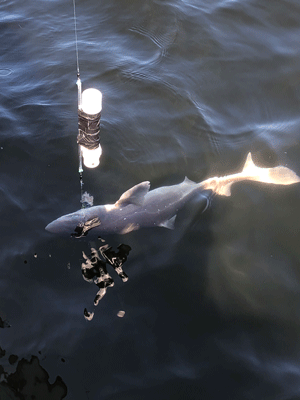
{"x": 140, "y": 208}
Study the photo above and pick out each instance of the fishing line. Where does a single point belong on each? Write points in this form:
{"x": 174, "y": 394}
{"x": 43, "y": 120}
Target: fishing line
{"x": 76, "y": 40}
{"x": 80, "y": 169}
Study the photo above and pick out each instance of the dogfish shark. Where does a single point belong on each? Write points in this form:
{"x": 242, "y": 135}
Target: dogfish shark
{"x": 140, "y": 207}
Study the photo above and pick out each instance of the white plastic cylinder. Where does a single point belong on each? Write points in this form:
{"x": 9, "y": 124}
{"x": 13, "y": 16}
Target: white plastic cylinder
{"x": 91, "y": 102}
{"x": 91, "y": 158}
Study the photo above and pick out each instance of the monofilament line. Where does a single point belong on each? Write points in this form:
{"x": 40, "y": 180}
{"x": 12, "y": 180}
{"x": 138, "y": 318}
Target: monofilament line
{"x": 80, "y": 170}
{"x": 76, "y": 45}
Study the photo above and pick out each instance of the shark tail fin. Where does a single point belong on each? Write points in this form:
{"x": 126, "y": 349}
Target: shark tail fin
{"x": 277, "y": 175}
{"x": 283, "y": 176}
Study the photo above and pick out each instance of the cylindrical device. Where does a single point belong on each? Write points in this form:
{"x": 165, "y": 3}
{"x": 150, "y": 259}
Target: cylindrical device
{"x": 89, "y": 127}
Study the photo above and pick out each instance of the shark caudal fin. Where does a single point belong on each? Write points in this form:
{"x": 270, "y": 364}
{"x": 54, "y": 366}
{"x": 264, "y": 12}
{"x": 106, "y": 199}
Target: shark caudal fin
{"x": 251, "y": 172}
{"x": 283, "y": 176}
{"x": 277, "y": 175}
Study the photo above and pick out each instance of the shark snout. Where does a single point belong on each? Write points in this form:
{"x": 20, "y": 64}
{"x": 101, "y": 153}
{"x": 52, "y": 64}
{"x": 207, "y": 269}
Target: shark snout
{"x": 66, "y": 223}
{"x": 53, "y": 227}
{"x": 61, "y": 225}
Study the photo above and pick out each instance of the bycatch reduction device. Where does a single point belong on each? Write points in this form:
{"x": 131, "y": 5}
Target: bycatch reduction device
{"x": 89, "y": 114}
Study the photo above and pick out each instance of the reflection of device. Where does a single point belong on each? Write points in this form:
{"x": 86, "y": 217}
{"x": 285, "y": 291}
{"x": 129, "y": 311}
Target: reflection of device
{"x": 94, "y": 270}
{"x": 116, "y": 260}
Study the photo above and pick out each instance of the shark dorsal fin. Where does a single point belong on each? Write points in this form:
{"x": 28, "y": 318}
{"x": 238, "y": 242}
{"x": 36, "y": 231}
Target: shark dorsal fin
{"x": 249, "y": 164}
{"x": 187, "y": 180}
{"x": 135, "y": 195}
{"x": 249, "y": 168}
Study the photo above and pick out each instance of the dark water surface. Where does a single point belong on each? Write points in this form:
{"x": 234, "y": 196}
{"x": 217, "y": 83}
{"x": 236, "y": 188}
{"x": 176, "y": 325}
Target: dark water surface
{"x": 212, "y": 309}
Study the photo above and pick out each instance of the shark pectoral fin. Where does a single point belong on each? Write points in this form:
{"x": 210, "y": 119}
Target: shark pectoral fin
{"x": 135, "y": 195}
{"x": 169, "y": 223}
{"x": 129, "y": 228}
{"x": 225, "y": 190}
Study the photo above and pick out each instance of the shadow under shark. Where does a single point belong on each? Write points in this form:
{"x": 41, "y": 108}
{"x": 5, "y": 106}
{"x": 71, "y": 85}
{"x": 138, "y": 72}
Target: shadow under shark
{"x": 140, "y": 208}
